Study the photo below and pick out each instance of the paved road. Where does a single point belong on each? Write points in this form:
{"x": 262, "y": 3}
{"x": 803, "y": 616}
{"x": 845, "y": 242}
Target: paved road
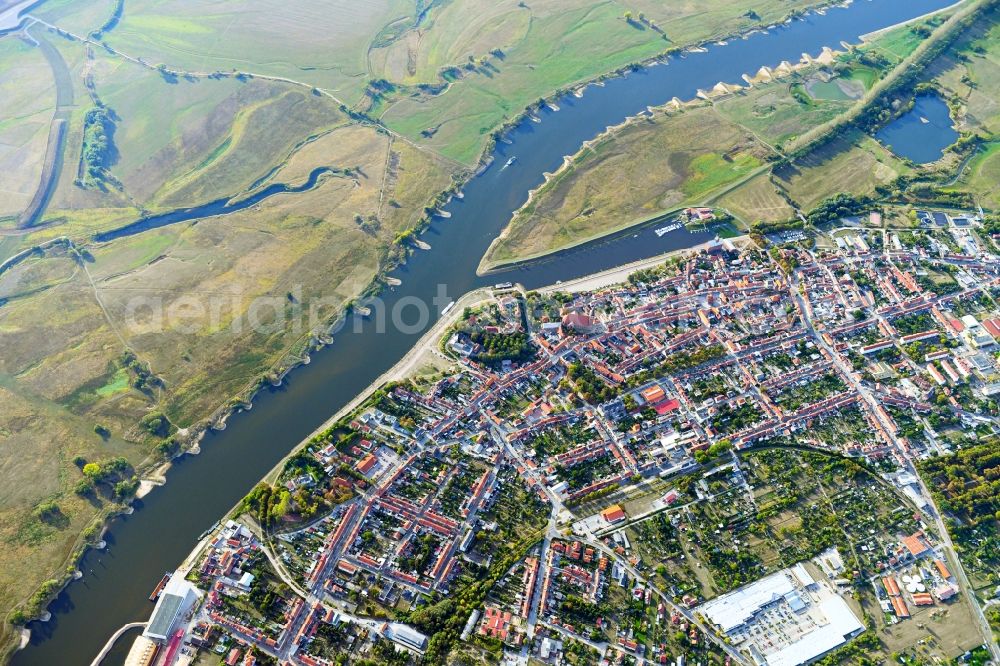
{"x": 870, "y": 399}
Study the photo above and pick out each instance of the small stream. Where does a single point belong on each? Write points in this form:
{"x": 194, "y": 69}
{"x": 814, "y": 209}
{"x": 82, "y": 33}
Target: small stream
{"x": 222, "y": 206}
{"x": 200, "y": 489}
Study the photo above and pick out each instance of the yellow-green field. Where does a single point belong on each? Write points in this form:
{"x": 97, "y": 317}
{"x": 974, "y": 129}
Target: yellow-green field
{"x": 774, "y": 115}
{"x": 29, "y": 99}
{"x": 322, "y": 43}
{"x": 854, "y": 163}
{"x": 757, "y": 199}
{"x": 642, "y": 170}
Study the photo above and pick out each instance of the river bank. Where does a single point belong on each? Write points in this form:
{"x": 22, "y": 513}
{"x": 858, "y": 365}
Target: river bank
{"x": 431, "y": 340}
{"x": 620, "y": 274}
{"x": 254, "y": 441}
{"x": 599, "y": 146}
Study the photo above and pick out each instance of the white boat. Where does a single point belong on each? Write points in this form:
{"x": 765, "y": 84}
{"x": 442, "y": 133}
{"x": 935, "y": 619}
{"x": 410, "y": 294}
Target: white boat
{"x": 447, "y": 308}
{"x": 667, "y": 229}
{"x": 509, "y": 162}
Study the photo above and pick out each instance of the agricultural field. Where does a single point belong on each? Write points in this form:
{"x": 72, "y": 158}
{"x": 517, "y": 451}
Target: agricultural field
{"x": 756, "y": 199}
{"x": 969, "y": 72}
{"x": 540, "y": 49}
{"x": 854, "y": 163}
{"x": 633, "y": 174}
{"x": 28, "y": 91}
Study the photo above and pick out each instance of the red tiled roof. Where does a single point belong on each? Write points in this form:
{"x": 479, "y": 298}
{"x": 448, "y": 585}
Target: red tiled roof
{"x": 613, "y": 514}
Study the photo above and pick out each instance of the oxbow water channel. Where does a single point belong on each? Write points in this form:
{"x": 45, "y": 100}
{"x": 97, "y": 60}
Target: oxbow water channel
{"x": 200, "y": 489}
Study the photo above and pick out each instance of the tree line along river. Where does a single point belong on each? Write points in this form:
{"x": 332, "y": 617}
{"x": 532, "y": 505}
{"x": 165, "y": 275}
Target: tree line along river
{"x": 200, "y": 489}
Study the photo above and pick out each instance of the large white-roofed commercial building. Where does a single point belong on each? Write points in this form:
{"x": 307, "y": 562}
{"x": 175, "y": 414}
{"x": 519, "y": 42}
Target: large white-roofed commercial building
{"x": 784, "y": 619}
{"x": 176, "y": 599}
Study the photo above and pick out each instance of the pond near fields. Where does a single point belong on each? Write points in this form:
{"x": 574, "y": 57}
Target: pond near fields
{"x": 923, "y": 133}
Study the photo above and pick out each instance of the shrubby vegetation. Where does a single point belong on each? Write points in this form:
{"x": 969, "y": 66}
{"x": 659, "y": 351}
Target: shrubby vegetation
{"x": 836, "y": 207}
{"x": 681, "y": 360}
{"x": 98, "y": 146}
{"x": 967, "y": 482}
{"x": 501, "y": 347}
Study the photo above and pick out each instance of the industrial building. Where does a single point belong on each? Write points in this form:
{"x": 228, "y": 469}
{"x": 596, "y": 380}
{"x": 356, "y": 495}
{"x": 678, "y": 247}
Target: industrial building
{"x": 784, "y": 619}
{"x": 177, "y": 598}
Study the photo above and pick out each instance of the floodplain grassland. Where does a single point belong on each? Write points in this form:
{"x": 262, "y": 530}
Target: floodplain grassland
{"x": 447, "y": 37}
{"x": 176, "y": 142}
{"x": 853, "y": 162}
{"x": 632, "y": 174}
{"x": 968, "y": 74}
{"x": 543, "y": 48}
{"x": 29, "y": 98}
{"x": 698, "y": 20}
{"x": 576, "y": 205}
{"x": 58, "y": 350}
{"x": 322, "y": 43}
{"x": 756, "y": 199}
{"x": 982, "y": 175}
{"x": 79, "y": 17}
{"x": 648, "y": 167}
{"x": 776, "y": 115}
{"x": 61, "y": 348}
{"x": 565, "y": 42}
{"x": 182, "y": 143}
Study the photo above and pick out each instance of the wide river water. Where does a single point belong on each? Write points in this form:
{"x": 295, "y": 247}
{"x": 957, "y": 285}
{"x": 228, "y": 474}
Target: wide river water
{"x": 200, "y": 489}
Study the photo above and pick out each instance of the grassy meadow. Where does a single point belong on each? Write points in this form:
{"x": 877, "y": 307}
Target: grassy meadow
{"x": 639, "y": 171}
{"x": 29, "y": 98}
{"x": 756, "y": 199}
{"x": 696, "y": 156}
{"x": 854, "y": 163}
{"x": 322, "y": 43}
{"x": 544, "y": 48}
{"x": 775, "y": 115}
{"x": 180, "y": 138}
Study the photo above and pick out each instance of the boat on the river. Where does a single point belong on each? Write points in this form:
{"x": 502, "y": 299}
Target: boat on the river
{"x": 667, "y": 229}
{"x": 155, "y": 594}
